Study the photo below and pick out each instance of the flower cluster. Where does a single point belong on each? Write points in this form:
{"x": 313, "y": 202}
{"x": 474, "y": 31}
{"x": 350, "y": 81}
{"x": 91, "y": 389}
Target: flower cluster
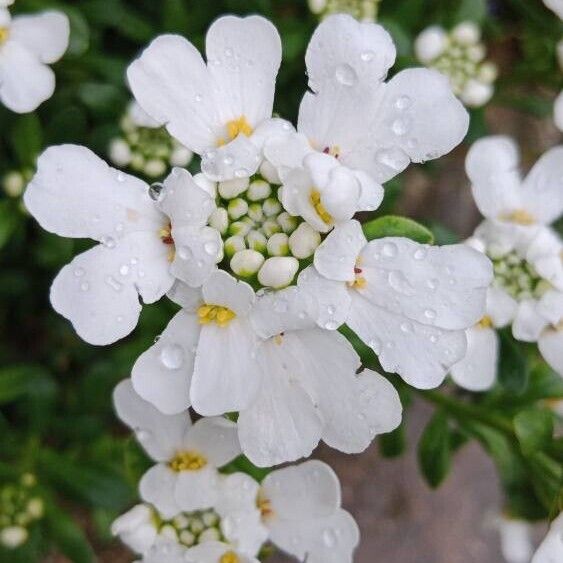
{"x": 20, "y": 507}
{"x": 459, "y": 54}
{"x": 145, "y": 146}
{"x": 28, "y": 44}
{"x": 263, "y": 255}
{"x": 363, "y": 10}
{"x": 527, "y": 255}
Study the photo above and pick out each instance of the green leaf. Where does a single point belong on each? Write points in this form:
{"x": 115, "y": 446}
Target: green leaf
{"x": 534, "y": 429}
{"x": 514, "y": 371}
{"x": 367, "y": 355}
{"x": 393, "y": 226}
{"x": 242, "y": 463}
{"x": 393, "y": 444}
{"x": 434, "y": 450}
{"x": 27, "y": 138}
{"x": 9, "y": 220}
{"x": 19, "y": 380}
{"x": 68, "y": 536}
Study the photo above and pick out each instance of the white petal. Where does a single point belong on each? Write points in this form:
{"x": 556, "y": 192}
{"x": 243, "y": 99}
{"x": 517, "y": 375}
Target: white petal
{"x": 551, "y": 547}
{"x": 97, "y": 291}
{"x": 357, "y": 408}
{"x": 286, "y": 152}
{"x": 420, "y": 354}
{"x": 238, "y": 494}
{"x": 332, "y": 297}
{"x": 336, "y": 256}
{"x": 159, "y": 434}
{"x": 543, "y": 187}
{"x": 551, "y": 347}
{"x": 280, "y": 311}
{"x": 501, "y": 307}
{"x": 238, "y": 159}
{"x": 371, "y": 194}
{"x": 187, "y": 297}
{"x": 76, "y": 194}
{"x": 281, "y": 424}
{"x": 136, "y": 528}
{"x": 442, "y": 286}
{"x": 558, "y": 112}
{"x": 162, "y": 375}
{"x": 157, "y": 486}
{"x": 198, "y": 250}
{"x": 331, "y": 539}
{"x": 477, "y": 371}
{"x": 223, "y": 289}
{"x": 551, "y": 306}
{"x": 341, "y": 46}
{"x": 341, "y": 195}
{"x": 226, "y": 377}
{"x": 165, "y": 551}
{"x": 216, "y": 438}
{"x": 197, "y": 490}
{"x": 244, "y": 55}
{"x": 25, "y": 82}
{"x": 528, "y": 323}
{"x": 211, "y": 552}
{"x": 308, "y": 490}
{"x": 545, "y": 253}
{"x": 45, "y": 34}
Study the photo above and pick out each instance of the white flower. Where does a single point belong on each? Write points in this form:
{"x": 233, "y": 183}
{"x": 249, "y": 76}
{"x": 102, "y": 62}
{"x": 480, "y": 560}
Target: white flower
{"x": 430, "y": 44}
{"x": 410, "y": 303}
{"x": 301, "y": 509}
{"x": 136, "y": 528}
{"x": 185, "y": 477}
{"x": 515, "y": 540}
{"x": 556, "y": 6}
{"x": 551, "y": 549}
{"x": 206, "y": 355}
{"x": 214, "y": 109}
{"x": 28, "y": 44}
{"x": 216, "y": 552}
{"x": 144, "y": 243}
{"x": 13, "y": 536}
{"x": 501, "y": 193}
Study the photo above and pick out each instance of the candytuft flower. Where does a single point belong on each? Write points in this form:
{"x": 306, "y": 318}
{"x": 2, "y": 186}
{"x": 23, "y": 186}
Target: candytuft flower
{"x": 28, "y": 44}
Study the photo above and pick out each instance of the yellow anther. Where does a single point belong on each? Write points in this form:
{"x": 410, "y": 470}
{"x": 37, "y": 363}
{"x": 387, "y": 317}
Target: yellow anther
{"x": 165, "y": 235}
{"x": 359, "y": 283}
{"x": 229, "y": 557}
{"x": 188, "y": 460}
{"x": 485, "y": 322}
{"x": 4, "y": 33}
{"x": 264, "y": 505}
{"x": 278, "y": 339}
{"x": 315, "y": 199}
{"x": 215, "y": 313}
{"x": 518, "y": 216}
{"x": 235, "y": 128}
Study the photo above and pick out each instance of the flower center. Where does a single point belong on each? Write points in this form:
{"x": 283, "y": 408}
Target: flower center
{"x": 229, "y": 557}
{"x": 485, "y": 322}
{"x": 264, "y": 505}
{"x": 215, "y": 313}
{"x": 4, "y": 34}
{"x": 191, "y": 528}
{"x": 333, "y": 151}
{"x": 315, "y": 199}
{"x": 518, "y": 216}
{"x": 235, "y": 128}
{"x": 360, "y": 281}
{"x": 165, "y": 235}
{"x": 188, "y": 460}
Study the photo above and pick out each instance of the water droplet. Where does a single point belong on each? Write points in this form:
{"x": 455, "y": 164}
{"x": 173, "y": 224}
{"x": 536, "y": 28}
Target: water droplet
{"x": 432, "y": 284}
{"x": 346, "y": 75}
{"x": 390, "y": 249}
{"x": 420, "y": 254}
{"x": 331, "y": 309}
{"x": 433, "y": 339}
{"x": 331, "y": 325}
{"x": 108, "y": 242}
{"x": 198, "y": 98}
{"x": 367, "y": 56}
{"x": 430, "y": 314}
{"x": 113, "y": 283}
{"x": 211, "y": 248}
{"x": 400, "y": 127}
{"x": 79, "y": 272}
{"x": 84, "y": 286}
{"x": 155, "y": 191}
{"x": 121, "y": 177}
{"x": 241, "y": 173}
{"x": 185, "y": 253}
{"x": 124, "y": 270}
{"x": 172, "y": 356}
{"x": 403, "y": 102}
{"x": 228, "y": 160}
{"x": 143, "y": 435}
{"x": 228, "y": 52}
{"x": 329, "y": 537}
{"x": 407, "y": 327}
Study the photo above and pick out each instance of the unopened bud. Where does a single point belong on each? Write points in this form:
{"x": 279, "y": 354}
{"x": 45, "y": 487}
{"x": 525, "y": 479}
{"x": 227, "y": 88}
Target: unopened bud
{"x": 119, "y": 152}
{"x": 304, "y": 241}
{"x": 211, "y": 534}
{"x": 430, "y": 44}
{"x": 278, "y": 272}
{"x": 233, "y": 245}
{"x": 181, "y": 156}
{"x": 219, "y": 220}
{"x": 154, "y": 168}
{"x": 259, "y": 190}
{"x": 237, "y": 208}
{"x": 168, "y": 531}
{"x": 287, "y": 222}
{"x": 476, "y": 53}
{"x": 278, "y": 245}
{"x": 466, "y": 33}
{"x": 241, "y": 228}
{"x": 256, "y": 241}
{"x": 210, "y": 518}
{"x": 488, "y": 72}
{"x": 13, "y": 536}
{"x": 269, "y": 172}
{"x": 271, "y": 207}
{"x": 476, "y": 94}
{"x": 187, "y": 538}
{"x": 255, "y": 212}
{"x": 270, "y": 226}
{"x": 232, "y": 188}
{"x": 246, "y": 263}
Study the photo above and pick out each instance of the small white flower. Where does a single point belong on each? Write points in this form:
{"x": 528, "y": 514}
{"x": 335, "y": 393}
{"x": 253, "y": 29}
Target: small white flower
{"x": 185, "y": 477}
{"x": 410, "y": 303}
{"x": 144, "y": 243}
{"x": 551, "y": 548}
{"x": 28, "y": 44}
{"x": 216, "y": 552}
{"x": 13, "y": 536}
{"x": 430, "y": 44}
{"x": 214, "y": 109}
{"x": 136, "y": 528}
{"x": 301, "y": 507}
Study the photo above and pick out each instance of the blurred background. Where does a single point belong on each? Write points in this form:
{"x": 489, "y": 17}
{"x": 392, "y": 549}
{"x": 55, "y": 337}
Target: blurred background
{"x": 59, "y": 439}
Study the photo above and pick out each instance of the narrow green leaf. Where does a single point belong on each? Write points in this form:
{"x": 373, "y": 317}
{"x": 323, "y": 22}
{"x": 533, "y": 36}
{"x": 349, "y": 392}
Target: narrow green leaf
{"x": 393, "y": 226}
{"x": 514, "y": 371}
{"x": 19, "y": 380}
{"x": 534, "y": 429}
{"x": 9, "y": 219}
{"x": 27, "y": 138}
{"x": 393, "y": 444}
{"x": 434, "y": 450}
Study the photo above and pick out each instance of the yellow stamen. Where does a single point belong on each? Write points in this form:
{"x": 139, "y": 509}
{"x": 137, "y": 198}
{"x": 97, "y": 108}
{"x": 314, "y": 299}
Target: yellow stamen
{"x": 4, "y": 33}
{"x": 188, "y": 460}
{"x": 229, "y": 557}
{"x": 264, "y": 505}
{"x": 215, "y": 313}
{"x": 485, "y": 322}
{"x": 315, "y": 199}
{"x": 278, "y": 339}
{"x": 518, "y": 216}
{"x": 359, "y": 283}
{"x": 235, "y": 128}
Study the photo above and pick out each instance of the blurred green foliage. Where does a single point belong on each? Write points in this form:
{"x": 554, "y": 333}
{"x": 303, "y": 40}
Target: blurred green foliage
{"x": 56, "y": 417}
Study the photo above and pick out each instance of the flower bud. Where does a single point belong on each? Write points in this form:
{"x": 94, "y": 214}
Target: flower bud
{"x": 256, "y": 241}
{"x": 210, "y": 534}
{"x": 154, "y": 168}
{"x": 287, "y": 222}
{"x": 232, "y": 188}
{"x": 237, "y": 208}
{"x": 14, "y": 183}
{"x": 181, "y": 521}
{"x": 233, "y": 245}
{"x": 269, "y": 227}
{"x": 246, "y": 263}
{"x": 304, "y": 241}
{"x": 476, "y": 94}
{"x": 210, "y": 518}
{"x": 119, "y": 152}
{"x": 278, "y": 245}
{"x": 35, "y": 508}
{"x": 488, "y": 72}
{"x": 269, "y": 172}
{"x": 255, "y": 212}
{"x": 187, "y": 538}
{"x": 271, "y": 207}
{"x": 278, "y": 272}
{"x": 219, "y": 220}
{"x": 430, "y": 44}
{"x": 240, "y": 228}
{"x": 181, "y": 156}
{"x": 259, "y": 190}
{"x": 137, "y": 161}
{"x": 467, "y": 33}
{"x": 317, "y": 6}
{"x": 168, "y": 531}
{"x": 13, "y": 536}
{"x": 196, "y": 525}
{"x": 476, "y": 53}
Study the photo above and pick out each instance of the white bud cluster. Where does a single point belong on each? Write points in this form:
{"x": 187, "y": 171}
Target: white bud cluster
{"x": 261, "y": 239}
{"x": 363, "y": 10}
{"x": 148, "y": 149}
{"x": 460, "y": 55}
{"x": 19, "y": 508}
{"x": 192, "y": 528}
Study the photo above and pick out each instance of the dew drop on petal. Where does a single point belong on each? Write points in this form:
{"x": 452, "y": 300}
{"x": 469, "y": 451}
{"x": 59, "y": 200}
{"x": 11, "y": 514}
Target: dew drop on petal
{"x": 155, "y": 191}
{"x": 329, "y": 537}
{"x": 432, "y": 284}
{"x": 211, "y": 248}
{"x": 84, "y": 286}
{"x": 430, "y": 314}
{"x": 406, "y": 327}
{"x": 108, "y": 242}
{"x": 172, "y": 356}
{"x": 228, "y": 160}
{"x": 185, "y": 253}
{"x": 113, "y": 283}
{"x": 420, "y": 254}
{"x": 143, "y": 435}
{"x": 403, "y": 102}
{"x": 390, "y": 249}
{"x": 433, "y": 339}
{"x": 124, "y": 270}
{"x": 400, "y": 127}
{"x": 79, "y": 272}
{"x": 121, "y": 177}
{"x": 241, "y": 172}
{"x": 346, "y": 75}
{"x": 367, "y": 56}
